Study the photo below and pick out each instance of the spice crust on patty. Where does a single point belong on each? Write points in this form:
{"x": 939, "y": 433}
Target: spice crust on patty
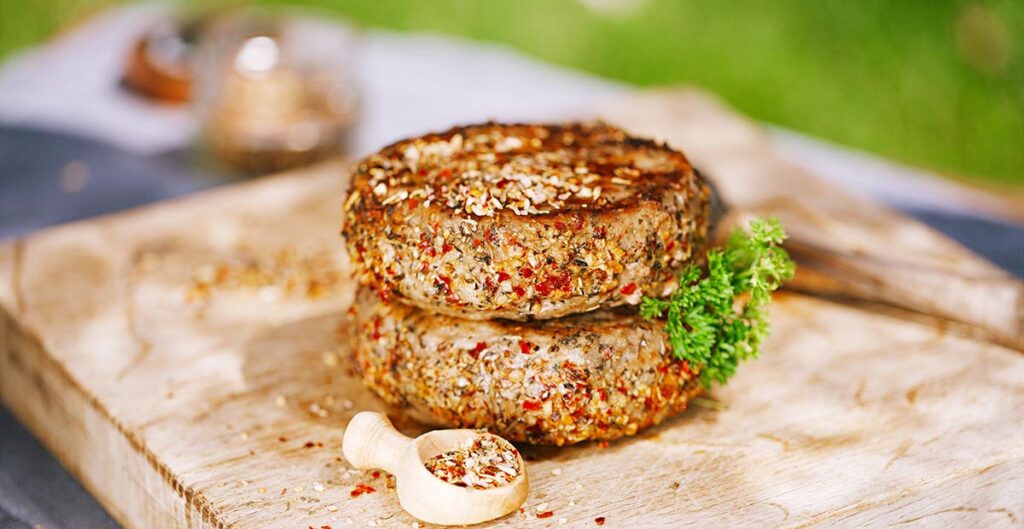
{"x": 595, "y": 376}
{"x": 524, "y": 221}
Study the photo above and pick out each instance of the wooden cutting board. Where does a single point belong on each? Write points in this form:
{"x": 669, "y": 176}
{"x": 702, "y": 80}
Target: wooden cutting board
{"x": 189, "y": 363}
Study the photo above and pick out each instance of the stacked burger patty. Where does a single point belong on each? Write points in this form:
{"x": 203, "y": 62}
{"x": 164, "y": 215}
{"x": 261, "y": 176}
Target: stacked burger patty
{"x": 501, "y": 266}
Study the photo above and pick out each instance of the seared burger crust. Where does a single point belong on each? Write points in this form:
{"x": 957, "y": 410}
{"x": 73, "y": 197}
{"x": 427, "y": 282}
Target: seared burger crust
{"x": 596, "y": 376}
{"x": 524, "y": 221}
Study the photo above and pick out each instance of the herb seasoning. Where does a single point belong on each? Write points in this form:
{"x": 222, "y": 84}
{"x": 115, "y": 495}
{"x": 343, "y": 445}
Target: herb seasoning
{"x": 485, "y": 462}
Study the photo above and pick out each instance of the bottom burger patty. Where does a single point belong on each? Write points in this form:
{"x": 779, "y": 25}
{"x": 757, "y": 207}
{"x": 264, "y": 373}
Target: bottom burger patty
{"x": 595, "y": 376}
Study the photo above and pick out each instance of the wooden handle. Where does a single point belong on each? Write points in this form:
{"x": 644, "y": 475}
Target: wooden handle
{"x": 990, "y": 307}
{"x": 372, "y": 442}
{"x": 841, "y": 260}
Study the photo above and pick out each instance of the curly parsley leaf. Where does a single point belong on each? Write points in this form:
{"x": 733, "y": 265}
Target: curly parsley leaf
{"x": 718, "y": 315}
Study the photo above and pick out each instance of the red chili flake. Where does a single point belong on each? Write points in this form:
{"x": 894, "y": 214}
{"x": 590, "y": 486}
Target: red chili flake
{"x": 526, "y": 272}
{"x": 686, "y": 368}
{"x": 477, "y": 243}
{"x": 376, "y": 329}
{"x": 361, "y": 489}
{"x": 502, "y": 276}
{"x": 375, "y": 474}
{"x": 559, "y": 225}
{"x": 445, "y": 173}
{"x": 545, "y": 514}
{"x": 426, "y": 245}
{"x": 480, "y": 346}
{"x": 532, "y": 405}
{"x": 444, "y": 283}
{"x": 663, "y": 368}
{"x": 445, "y": 248}
{"x": 602, "y": 444}
{"x": 599, "y": 520}
{"x": 671, "y": 245}
{"x": 554, "y": 282}
{"x": 519, "y": 291}
{"x": 525, "y": 347}
{"x": 413, "y": 202}
{"x": 422, "y": 172}
{"x": 383, "y": 295}
{"x": 628, "y": 289}
{"x": 603, "y": 394}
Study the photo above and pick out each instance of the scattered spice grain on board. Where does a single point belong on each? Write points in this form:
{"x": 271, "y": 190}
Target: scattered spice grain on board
{"x": 361, "y": 489}
{"x": 483, "y": 463}
{"x": 285, "y": 273}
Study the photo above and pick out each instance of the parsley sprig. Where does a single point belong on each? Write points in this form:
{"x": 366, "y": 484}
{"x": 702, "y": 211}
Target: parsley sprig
{"x": 718, "y": 315}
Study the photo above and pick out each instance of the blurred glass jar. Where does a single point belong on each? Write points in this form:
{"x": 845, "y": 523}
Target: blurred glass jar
{"x": 274, "y": 92}
{"x": 159, "y": 66}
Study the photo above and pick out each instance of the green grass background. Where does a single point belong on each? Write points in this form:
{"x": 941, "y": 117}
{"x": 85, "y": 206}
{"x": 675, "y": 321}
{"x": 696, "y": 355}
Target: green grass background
{"x": 934, "y": 83}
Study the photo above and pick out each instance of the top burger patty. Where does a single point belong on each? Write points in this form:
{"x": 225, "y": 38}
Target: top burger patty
{"x": 524, "y": 221}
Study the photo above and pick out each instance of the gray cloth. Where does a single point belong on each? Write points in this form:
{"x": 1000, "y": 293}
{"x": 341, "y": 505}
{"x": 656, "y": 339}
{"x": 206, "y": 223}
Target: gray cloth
{"x": 36, "y": 184}
{"x": 36, "y": 490}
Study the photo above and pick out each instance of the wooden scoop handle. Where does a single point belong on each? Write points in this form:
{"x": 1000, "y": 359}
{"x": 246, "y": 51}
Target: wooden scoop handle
{"x": 372, "y": 442}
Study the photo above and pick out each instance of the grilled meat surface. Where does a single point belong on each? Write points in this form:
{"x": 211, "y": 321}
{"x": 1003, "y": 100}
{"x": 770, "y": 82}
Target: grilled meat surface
{"x": 524, "y": 221}
{"x": 595, "y": 376}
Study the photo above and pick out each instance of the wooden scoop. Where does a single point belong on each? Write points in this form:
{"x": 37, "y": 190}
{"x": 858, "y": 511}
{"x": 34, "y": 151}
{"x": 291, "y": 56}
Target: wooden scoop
{"x": 372, "y": 442}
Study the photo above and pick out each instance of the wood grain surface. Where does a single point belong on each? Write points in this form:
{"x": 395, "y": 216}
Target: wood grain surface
{"x": 179, "y": 405}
